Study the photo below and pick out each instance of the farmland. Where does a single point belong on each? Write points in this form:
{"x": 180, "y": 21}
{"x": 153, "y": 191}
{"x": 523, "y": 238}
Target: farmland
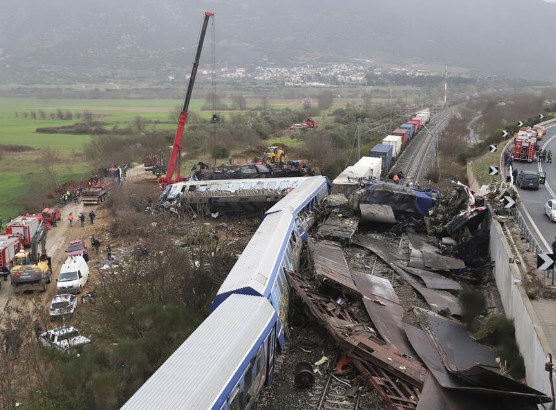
{"x": 29, "y": 160}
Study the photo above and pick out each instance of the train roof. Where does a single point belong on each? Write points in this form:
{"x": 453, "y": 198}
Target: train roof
{"x": 302, "y": 195}
{"x": 277, "y": 184}
{"x": 203, "y": 370}
{"x": 255, "y": 270}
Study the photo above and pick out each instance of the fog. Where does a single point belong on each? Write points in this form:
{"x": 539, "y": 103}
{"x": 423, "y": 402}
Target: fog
{"x": 77, "y": 40}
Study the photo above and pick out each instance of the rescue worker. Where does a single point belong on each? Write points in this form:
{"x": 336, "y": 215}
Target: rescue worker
{"x": 82, "y": 219}
{"x": 549, "y": 157}
{"x": 95, "y": 243}
{"x": 70, "y": 219}
{"x": 108, "y": 252}
{"x": 396, "y": 179}
{"x": 92, "y": 216}
{"x": 5, "y": 272}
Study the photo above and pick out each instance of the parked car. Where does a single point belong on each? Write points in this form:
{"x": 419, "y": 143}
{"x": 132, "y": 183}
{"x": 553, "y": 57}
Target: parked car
{"x": 64, "y": 338}
{"x": 528, "y": 179}
{"x": 78, "y": 248}
{"x": 73, "y": 277}
{"x": 550, "y": 209}
{"x": 64, "y": 304}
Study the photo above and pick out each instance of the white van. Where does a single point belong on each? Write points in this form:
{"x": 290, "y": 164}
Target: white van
{"x": 73, "y": 275}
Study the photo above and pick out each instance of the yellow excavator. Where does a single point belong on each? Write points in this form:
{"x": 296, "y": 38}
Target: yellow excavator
{"x": 32, "y": 271}
{"x": 274, "y": 155}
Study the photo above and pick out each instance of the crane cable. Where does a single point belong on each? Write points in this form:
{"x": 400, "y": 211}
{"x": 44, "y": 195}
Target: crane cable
{"x": 215, "y": 118}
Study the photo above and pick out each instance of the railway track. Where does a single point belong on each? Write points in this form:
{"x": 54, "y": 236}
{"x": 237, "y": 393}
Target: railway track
{"x": 416, "y": 160}
{"x": 332, "y": 394}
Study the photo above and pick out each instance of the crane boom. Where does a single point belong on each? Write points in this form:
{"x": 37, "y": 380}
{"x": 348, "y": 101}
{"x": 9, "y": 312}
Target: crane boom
{"x": 168, "y": 179}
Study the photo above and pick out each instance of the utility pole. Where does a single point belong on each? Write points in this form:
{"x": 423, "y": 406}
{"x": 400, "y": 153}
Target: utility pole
{"x": 358, "y": 140}
{"x": 446, "y": 85}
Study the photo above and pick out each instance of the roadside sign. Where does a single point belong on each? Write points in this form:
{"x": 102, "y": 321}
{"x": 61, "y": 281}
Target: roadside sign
{"x": 492, "y": 170}
{"x": 492, "y": 148}
{"x": 520, "y": 123}
{"x": 504, "y": 134}
{"x": 545, "y": 261}
{"x": 541, "y": 116}
{"x": 508, "y": 202}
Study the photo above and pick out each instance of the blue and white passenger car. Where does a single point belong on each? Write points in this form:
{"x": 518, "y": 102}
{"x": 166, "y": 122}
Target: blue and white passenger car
{"x": 222, "y": 365}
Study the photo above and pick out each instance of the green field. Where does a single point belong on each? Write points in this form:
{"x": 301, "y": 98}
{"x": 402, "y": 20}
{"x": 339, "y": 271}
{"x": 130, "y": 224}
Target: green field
{"x": 21, "y": 172}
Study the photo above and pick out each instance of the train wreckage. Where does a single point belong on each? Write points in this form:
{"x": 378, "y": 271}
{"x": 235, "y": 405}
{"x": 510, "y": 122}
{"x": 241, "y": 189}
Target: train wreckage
{"x": 413, "y": 356}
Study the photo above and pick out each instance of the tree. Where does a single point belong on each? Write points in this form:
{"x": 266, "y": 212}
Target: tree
{"x": 220, "y": 151}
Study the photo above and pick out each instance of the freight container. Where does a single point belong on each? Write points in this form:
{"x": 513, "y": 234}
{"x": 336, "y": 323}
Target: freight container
{"x": 419, "y": 120}
{"x": 409, "y": 128}
{"x": 416, "y": 124}
{"x": 426, "y": 113}
{"x": 396, "y": 142}
{"x": 375, "y": 164}
{"x": 25, "y": 227}
{"x": 9, "y": 245}
{"x": 404, "y": 133}
{"x": 384, "y": 152}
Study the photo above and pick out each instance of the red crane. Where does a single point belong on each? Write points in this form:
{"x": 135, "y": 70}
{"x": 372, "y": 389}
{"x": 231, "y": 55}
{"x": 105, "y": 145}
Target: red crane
{"x": 168, "y": 179}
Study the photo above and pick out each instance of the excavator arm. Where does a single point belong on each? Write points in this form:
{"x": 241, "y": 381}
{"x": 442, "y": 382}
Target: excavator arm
{"x": 174, "y": 156}
{"x": 39, "y": 239}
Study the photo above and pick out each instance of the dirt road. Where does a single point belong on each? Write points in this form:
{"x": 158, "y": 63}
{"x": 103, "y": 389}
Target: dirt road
{"x": 57, "y": 241}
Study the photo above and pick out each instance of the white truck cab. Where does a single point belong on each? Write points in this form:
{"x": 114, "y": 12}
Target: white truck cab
{"x": 73, "y": 275}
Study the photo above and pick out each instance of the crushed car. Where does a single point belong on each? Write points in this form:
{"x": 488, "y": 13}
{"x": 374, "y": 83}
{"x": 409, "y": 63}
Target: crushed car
{"x": 64, "y": 304}
{"x": 64, "y": 338}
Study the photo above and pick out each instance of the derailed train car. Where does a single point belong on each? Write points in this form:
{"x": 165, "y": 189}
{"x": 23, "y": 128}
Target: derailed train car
{"x": 230, "y": 356}
{"x": 222, "y": 365}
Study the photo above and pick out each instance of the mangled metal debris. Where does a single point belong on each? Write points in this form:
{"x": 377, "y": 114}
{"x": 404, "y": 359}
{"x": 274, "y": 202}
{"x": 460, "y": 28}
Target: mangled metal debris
{"x": 493, "y": 389}
{"x": 330, "y": 264}
{"x": 229, "y": 195}
{"x": 400, "y": 198}
{"x": 377, "y": 213}
{"x": 338, "y": 229}
{"x": 358, "y": 340}
{"x": 424, "y": 255}
{"x": 384, "y": 309}
{"x": 439, "y": 301}
{"x": 432, "y": 280}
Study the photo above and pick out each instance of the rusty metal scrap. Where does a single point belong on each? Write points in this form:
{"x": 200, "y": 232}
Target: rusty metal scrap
{"x": 396, "y": 393}
{"x": 361, "y": 343}
{"x": 330, "y": 263}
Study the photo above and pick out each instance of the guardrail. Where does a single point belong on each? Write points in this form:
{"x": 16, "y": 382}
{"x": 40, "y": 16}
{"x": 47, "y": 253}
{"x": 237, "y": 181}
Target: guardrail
{"x": 533, "y": 244}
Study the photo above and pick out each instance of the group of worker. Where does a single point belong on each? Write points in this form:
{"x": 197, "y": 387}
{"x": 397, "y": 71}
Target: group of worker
{"x": 95, "y": 243}
{"x": 81, "y": 217}
{"x": 545, "y": 155}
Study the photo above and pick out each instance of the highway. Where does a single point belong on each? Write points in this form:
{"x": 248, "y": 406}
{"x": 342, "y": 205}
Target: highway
{"x": 533, "y": 200}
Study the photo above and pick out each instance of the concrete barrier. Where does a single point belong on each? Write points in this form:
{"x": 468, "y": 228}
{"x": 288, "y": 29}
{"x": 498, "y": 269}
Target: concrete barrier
{"x": 529, "y": 334}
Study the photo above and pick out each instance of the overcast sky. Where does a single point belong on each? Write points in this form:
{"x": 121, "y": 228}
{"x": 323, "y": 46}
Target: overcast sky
{"x": 503, "y": 37}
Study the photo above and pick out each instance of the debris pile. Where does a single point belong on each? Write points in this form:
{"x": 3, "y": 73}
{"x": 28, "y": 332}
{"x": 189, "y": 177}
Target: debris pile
{"x": 412, "y": 352}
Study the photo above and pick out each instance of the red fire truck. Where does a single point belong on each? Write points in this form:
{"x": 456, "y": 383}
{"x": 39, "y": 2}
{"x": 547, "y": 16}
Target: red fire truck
{"x": 524, "y": 148}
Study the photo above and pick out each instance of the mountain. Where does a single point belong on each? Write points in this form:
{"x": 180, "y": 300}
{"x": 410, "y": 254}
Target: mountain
{"x": 64, "y": 41}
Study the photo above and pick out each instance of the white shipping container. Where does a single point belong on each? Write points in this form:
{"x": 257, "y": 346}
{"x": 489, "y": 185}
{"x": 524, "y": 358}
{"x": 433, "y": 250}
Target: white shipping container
{"x": 375, "y": 164}
{"x": 396, "y": 142}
